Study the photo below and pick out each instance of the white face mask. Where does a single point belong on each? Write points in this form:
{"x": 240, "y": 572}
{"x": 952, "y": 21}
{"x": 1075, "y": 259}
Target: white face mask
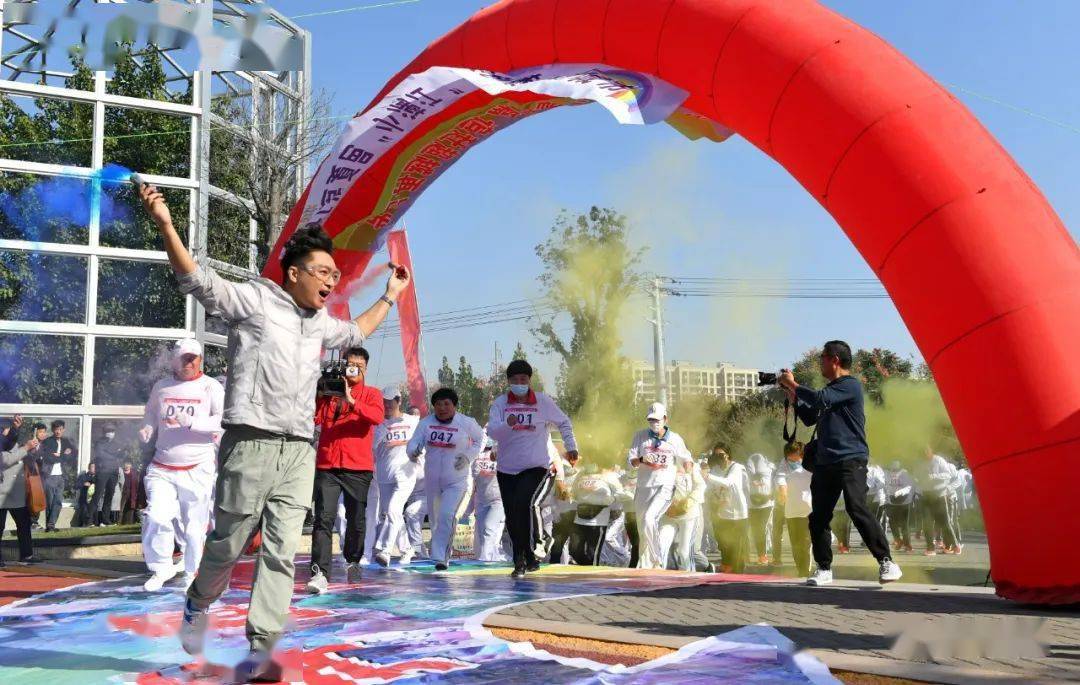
{"x": 519, "y": 390}
{"x": 110, "y": 435}
{"x": 656, "y": 426}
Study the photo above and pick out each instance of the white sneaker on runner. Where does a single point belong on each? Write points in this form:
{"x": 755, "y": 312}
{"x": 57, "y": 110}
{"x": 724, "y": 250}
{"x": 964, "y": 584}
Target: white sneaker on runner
{"x": 318, "y": 584}
{"x": 889, "y": 572}
{"x": 156, "y": 581}
{"x": 407, "y": 557}
{"x": 382, "y": 559}
{"x": 820, "y": 577}
{"x": 189, "y": 578}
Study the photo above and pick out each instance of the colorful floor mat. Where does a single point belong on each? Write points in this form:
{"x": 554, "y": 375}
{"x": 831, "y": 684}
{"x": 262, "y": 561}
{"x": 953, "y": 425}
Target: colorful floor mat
{"x": 401, "y": 625}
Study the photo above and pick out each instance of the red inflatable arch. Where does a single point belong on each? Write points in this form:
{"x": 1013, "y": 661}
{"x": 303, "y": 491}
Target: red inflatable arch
{"x": 981, "y": 269}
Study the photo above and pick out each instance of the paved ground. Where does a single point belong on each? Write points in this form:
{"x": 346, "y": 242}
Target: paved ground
{"x": 27, "y": 581}
{"x": 851, "y": 619}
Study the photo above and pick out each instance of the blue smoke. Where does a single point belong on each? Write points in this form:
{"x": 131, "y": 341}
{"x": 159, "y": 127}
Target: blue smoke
{"x": 36, "y": 210}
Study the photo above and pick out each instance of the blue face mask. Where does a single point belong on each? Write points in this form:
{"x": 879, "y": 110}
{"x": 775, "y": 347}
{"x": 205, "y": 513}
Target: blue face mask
{"x": 519, "y": 390}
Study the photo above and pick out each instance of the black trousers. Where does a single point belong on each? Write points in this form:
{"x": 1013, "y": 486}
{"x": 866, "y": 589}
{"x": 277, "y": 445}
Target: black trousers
{"x": 936, "y": 518}
{"x": 760, "y": 525}
{"x": 329, "y": 486}
{"x": 21, "y": 516}
{"x": 778, "y": 523}
{"x": 826, "y": 485}
{"x": 522, "y": 494}
{"x": 899, "y": 515}
{"x": 586, "y": 543}
{"x": 632, "y": 535}
{"x": 104, "y": 489}
{"x": 799, "y": 534}
{"x": 562, "y": 529}
{"x": 54, "y": 499}
{"x": 731, "y": 537}
{"x": 841, "y": 527}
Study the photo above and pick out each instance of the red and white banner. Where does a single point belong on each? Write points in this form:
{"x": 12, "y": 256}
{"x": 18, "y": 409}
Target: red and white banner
{"x": 409, "y": 322}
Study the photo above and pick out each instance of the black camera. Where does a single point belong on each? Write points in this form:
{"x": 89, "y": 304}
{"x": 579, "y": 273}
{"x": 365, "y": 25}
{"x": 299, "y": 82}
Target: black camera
{"x": 332, "y": 381}
{"x": 765, "y": 378}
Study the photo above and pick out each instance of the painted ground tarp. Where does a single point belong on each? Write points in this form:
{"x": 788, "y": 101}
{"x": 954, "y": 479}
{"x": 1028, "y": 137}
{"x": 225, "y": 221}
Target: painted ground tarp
{"x": 402, "y": 625}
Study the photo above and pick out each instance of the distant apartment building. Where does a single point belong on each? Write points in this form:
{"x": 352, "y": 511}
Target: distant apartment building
{"x": 686, "y": 379}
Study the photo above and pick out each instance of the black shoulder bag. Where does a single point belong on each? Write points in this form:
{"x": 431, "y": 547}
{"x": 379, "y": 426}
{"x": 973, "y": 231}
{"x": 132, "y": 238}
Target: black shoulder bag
{"x": 809, "y": 460}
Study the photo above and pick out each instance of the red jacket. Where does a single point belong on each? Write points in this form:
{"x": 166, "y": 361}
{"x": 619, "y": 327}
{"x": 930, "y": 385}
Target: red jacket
{"x": 347, "y": 433}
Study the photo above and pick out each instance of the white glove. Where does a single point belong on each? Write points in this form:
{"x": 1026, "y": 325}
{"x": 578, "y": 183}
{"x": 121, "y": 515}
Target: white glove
{"x": 183, "y": 419}
{"x": 460, "y": 461}
{"x": 145, "y": 433}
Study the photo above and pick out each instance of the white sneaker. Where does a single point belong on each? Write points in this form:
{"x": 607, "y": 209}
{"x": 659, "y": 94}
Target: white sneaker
{"x": 889, "y": 572}
{"x": 820, "y": 577}
{"x": 179, "y": 567}
{"x": 364, "y": 561}
{"x": 318, "y": 584}
{"x": 159, "y": 579}
{"x": 383, "y": 559}
{"x": 189, "y": 578}
{"x": 407, "y": 557}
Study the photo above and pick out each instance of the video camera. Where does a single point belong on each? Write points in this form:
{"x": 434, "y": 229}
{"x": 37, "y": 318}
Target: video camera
{"x": 765, "y": 378}
{"x": 332, "y": 381}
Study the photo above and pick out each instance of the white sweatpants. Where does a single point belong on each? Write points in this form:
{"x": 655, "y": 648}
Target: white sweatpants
{"x": 171, "y": 496}
{"x": 415, "y": 510}
{"x": 488, "y": 531}
{"x": 444, "y": 508}
{"x": 677, "y": 537}
{"x": 391, "y": 522}
{"x": 651, "y": 503}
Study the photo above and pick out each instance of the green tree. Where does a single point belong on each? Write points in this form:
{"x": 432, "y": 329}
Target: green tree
{"x": 446, "y": 374}
{"x": 589, "y": 273}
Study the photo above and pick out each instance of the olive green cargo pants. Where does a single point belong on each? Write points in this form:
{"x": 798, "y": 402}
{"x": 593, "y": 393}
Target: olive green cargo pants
{"x": 263, "y": 482}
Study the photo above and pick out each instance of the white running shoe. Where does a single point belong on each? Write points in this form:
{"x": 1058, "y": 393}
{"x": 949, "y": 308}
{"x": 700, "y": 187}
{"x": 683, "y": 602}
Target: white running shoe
{"x": 382, "y": 559}
{"x": 156, "y": 581}
{"x": 179, "y": 566}
{"x": 193, "y": 629}
{"x": 889, "y": 572}
{"x": 189, "y": 578}
{"x": 318, "y": 584}
{"x": 820, "y": 577}
{"x": 364, "y": 561}
{"x": 407, "y": 557}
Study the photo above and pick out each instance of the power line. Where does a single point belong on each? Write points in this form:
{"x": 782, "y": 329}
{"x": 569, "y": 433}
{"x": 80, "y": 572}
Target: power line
{"x": 353, "y": 9}
{"x": 1015, "y": 108}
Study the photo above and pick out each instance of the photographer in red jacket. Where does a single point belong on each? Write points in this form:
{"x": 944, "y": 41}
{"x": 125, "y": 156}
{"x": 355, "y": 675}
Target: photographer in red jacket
{"x": 344, "y": 464}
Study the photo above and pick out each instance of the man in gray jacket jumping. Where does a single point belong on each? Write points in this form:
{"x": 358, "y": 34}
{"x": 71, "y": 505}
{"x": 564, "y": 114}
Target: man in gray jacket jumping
{"x": 277, "y": 333}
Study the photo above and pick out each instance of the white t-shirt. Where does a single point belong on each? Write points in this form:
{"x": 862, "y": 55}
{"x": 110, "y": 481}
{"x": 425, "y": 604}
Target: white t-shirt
{"x": 731, "y": 490}
{"x": 202, "y": 401}
{"x": 485, "y": 482}
{"x": 659, "y": 457}
{"x": 391, "y": 440}
{"x": 797, "y": 480}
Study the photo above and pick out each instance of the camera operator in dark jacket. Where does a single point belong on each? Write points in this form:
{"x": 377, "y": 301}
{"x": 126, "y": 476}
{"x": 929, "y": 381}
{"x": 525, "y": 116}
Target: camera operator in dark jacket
{"x": 840, "y": 455}
{"x": 58, "y": 461}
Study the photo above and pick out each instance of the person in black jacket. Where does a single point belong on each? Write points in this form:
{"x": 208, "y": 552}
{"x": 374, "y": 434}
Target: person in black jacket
{"x": 84, "y": 486}
{"x": 840, "y": 460}
{"x": 109, "y": 455}
{"x": 58, "y": 459}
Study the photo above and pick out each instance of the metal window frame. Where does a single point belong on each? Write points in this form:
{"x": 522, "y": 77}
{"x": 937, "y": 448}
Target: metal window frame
{"x": 295, "y": 86}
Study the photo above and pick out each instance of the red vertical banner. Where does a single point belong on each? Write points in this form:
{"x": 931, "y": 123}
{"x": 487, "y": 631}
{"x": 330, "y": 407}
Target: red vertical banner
{"x": 409, "y": 316}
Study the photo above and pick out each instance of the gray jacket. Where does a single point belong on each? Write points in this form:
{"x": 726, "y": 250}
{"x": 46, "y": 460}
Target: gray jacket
{"x": 12, "y": 479}
{"x": 275, "y": 349}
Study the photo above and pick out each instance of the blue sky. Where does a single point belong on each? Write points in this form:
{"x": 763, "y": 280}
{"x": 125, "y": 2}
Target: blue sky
{"x": 700, "y": 209}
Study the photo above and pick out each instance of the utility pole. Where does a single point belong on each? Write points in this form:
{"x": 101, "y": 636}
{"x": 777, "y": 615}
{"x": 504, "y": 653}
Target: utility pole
{"x": 658, "y": 344}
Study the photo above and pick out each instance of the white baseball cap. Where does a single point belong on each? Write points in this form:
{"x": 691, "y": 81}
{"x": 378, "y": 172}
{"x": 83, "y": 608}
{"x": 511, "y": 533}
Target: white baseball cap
{"x": 187, "y": 346}
{"x": 391, "y": 392}
{"x": 657, "y": 411}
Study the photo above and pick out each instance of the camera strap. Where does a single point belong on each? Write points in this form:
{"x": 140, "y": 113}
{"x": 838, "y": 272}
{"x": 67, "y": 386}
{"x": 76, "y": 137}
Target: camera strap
{"x": 790, "y": 437}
